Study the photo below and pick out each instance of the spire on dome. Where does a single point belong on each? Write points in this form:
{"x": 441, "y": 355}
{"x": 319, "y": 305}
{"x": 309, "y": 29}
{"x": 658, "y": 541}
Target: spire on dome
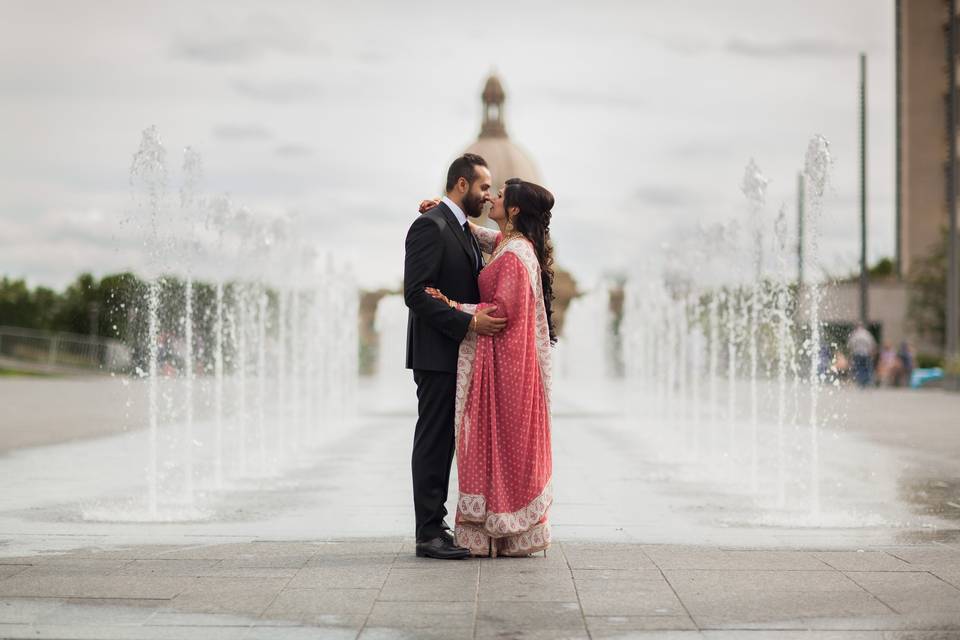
{"x": 493, "y": 99}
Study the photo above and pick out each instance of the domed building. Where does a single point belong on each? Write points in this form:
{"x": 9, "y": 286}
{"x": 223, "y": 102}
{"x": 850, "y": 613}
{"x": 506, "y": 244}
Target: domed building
{"x": 507, "y": 160}
{"x": 504, "y": 158}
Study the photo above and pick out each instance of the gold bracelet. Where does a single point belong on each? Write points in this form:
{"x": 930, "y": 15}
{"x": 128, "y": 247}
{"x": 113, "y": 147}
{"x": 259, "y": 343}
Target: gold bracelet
{"x": 473, "y": 323}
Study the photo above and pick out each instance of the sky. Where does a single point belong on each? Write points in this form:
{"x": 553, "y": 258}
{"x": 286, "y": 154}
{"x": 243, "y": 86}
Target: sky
{"x": 640, "y": 115}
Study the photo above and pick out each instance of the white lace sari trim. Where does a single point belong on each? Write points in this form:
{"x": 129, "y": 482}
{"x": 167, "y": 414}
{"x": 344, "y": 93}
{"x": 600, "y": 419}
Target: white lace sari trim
{"x": 473, "y": 508}
{"x": 478, "y": 542}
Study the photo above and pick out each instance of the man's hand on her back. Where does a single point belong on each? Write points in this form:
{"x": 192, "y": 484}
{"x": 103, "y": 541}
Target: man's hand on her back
{"x": 487, "y": 325}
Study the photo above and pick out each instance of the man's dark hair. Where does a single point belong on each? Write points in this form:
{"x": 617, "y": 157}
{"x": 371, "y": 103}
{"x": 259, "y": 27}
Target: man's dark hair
{"x": 464, "y": 167}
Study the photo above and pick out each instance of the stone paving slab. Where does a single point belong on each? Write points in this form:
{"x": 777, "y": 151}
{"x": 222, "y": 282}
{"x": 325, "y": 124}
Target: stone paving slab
{"x": 362, "y": 577}
{"x": 949, "y": 575}
{"x": 92, "y": 611}
{"x": 780, "y": 609}
{"x": 939, "y": 555}
{"x": 422, "y": 615}
{"x": 863, "y": 561}
{"x": 493, "y": 618}
{"x": 378, "y": 589}
{"x": 80, "y": 567}
{"x": 630, "y": 626}
{"x": 166, "y": 567}
{"x": 91, "y": 586}
{"x": 26, "y": 610}
{"x": 8, "y": 570}
{"x": 747, "y": 581}
{"x": 317, "y": 605}
{"x": 910, "y": 592}
{"x": 248, "y": 596}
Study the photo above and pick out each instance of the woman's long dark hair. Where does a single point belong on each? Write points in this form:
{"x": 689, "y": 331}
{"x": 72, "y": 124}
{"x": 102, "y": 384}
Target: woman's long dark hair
{"x": 533, "y": 222}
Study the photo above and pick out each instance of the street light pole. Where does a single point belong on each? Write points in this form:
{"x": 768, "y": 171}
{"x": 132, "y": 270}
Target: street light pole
{"x": 898, "y": 205}
{"x": 800, "y": 214}
{"x": 953, "y": 276}
{"x": 864, "y": 279}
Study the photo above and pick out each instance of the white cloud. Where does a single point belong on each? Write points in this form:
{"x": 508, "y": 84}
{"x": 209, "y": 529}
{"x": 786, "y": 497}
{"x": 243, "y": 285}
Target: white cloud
{"x": 241, "y": 132}
{"x": 244, "y": 39}
{"x": 349, "y": 114}
{"x": 278, "y": 91}
{"x": 795, "y": 47}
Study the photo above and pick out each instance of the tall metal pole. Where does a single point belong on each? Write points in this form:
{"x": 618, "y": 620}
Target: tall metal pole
{"x": 864, "y": 276}
{"x": 953, "y": 276}
{"x": 800, "y": 214}
{"x": 898, "y": 205}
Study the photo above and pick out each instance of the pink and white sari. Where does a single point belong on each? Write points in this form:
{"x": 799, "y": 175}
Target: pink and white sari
{"x": 504, "y": 459}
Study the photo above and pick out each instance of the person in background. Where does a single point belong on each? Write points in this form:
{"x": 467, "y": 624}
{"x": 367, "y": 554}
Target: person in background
{"x": 905, "y": 372}
{"x": 888, "y": 366}
{"x": 824, "y": 361}
{"x": 862, "y": 346}
{"x": 841, "y": 366}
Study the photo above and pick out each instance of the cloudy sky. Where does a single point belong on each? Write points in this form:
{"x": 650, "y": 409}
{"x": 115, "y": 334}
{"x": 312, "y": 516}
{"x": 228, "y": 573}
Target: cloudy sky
{"x": 641, "y": 116}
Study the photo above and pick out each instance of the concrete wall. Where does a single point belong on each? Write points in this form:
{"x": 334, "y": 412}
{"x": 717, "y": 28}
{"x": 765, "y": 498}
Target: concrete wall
{"x": 888, "y": 306}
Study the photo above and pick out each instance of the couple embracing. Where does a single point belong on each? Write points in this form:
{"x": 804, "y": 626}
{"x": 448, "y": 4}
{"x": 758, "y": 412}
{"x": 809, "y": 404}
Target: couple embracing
{"x": 478, "y": 342}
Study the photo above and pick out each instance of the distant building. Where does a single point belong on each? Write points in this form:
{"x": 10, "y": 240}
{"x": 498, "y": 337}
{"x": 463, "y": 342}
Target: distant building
{"x": 922, "y": 94}
{"x": 504, "y": 158}
{"x": 922, "y": 173}
{"x": 922, "y": 87}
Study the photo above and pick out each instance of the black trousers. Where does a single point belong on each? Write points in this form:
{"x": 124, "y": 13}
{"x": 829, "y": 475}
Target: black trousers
{"x": 433, "y": 448}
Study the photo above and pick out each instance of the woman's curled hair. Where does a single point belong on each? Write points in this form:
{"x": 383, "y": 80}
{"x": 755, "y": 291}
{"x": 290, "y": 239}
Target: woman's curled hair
{"x": 533, "y": 221}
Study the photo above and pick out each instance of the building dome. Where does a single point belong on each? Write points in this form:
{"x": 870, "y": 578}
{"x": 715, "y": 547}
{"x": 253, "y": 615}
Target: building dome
{"x": 504, "y": 158}
{"x": 493, "y": 90}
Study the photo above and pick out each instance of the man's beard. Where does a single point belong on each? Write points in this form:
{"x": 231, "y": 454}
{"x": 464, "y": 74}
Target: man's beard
{"x": 472, "y": 206}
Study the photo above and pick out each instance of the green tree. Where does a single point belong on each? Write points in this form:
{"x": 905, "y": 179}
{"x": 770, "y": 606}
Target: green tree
{"x": 16, "y": 304}
{"x": 884, "y": 268}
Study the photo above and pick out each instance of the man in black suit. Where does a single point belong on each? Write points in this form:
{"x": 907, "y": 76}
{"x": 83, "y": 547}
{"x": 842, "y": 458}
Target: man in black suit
{"x": 441, "y": 252}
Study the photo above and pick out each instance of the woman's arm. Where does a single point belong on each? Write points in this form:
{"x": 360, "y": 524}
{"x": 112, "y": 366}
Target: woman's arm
{"x": 426, "y": 205}
{"x": 486, "y": 238}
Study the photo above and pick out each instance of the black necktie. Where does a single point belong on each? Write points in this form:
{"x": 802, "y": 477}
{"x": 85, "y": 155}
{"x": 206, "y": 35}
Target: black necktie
{"x": 478, "y": 264}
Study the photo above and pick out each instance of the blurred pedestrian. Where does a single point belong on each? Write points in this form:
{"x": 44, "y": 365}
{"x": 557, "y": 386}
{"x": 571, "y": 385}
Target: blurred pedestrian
{"x": 862, "y": 346}
{"x": 888, "y": 366}
{"x": 824, "y": 361}
{"x": 841, "y": 366}
{"x": 905, "y": 373}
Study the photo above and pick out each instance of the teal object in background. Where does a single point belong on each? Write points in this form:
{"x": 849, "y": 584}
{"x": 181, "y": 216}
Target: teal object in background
{"x": 922, "y": 376}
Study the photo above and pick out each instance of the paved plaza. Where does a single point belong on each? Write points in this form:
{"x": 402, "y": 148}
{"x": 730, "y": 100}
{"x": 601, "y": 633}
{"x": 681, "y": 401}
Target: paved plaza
{"x": 378, "y": 589}
{"x": 646, "y": 545}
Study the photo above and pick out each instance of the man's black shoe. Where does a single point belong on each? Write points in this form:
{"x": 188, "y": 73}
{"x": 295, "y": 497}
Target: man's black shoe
{"x": 448, "y": 534}
{"x": 442, "y": 549}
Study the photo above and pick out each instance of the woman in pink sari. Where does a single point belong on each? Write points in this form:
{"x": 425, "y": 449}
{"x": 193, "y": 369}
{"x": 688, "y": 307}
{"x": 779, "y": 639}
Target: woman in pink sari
{"x": 504, "y": 460}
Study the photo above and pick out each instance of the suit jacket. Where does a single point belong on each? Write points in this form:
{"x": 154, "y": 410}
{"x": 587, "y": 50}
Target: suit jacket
{"x": 439, "y": 255}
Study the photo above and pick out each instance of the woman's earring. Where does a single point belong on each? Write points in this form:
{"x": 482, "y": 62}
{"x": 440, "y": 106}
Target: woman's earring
{"x": 509, "y": 225}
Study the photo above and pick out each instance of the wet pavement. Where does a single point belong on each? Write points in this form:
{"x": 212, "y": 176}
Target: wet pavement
{"x": 379, "y": 589}
{"x": 657, "y": 527}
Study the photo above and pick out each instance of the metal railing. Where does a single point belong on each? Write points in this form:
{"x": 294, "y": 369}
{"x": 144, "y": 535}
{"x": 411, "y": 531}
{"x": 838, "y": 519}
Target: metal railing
{"x": 63, "y": 350}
